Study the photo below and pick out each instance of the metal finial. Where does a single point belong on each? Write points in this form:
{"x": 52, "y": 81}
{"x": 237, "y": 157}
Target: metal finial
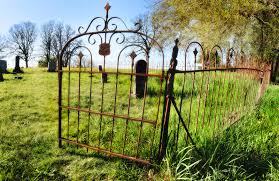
{"x": 133, "y": 55}
{"x": 176, "y": 42}
{"x": 175, "y": 49}
{"x": 195, "y": 52}
{"x": 231, "y": 54}
{"x": 80, "y": 55}
{"x": 107, "y": 7}
{"x": 216, "y": 53}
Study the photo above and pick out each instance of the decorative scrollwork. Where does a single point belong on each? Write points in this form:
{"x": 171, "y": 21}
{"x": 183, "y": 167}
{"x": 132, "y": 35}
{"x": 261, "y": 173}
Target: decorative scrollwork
{"x": 90, "y": 24}
{"x": 120, "y": 39}
{"x": 108, "y": 24}
{"x": 92, "y": 40}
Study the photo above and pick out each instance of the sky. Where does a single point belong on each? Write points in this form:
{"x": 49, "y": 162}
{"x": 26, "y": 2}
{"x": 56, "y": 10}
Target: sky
{"x": 73, "y": 12}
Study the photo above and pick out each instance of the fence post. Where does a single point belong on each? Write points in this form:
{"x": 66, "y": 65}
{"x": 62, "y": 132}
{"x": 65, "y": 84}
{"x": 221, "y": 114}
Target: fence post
{"x": 167, "y": 103}
{"x": 60, "y": 101}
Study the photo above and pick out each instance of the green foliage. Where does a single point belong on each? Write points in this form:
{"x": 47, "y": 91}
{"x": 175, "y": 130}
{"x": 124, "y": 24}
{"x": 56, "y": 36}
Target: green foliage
{"x": 247, "y": 150}
{"x": 252, "y": 25}
{"x": 42, "y": 63}
{"x": 29, "y": 149}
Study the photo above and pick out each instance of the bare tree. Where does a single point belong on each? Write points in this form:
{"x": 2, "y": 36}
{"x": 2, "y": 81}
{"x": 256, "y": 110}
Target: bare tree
{"x": 3, "y": 45}
{"x": 62, "y": 34}
{"x": 47, "y": 36}
{"x": 148, "y": 29}
{"x": 22, "y": 39}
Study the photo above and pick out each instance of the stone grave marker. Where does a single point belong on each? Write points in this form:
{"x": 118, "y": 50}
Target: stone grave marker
{"x": 141, "y": 68}
{"x": 51, "y": 66}
{"x": 17, "y": 68}
{"x": 104, "y": 75}
{"x": 3, "y": 66}
{"x": 1, "y": 75}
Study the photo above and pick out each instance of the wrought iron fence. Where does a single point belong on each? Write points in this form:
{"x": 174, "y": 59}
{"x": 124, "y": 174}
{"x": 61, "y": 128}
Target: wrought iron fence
{"x": 117, "y": 110}
{"x": 206, "y": 101}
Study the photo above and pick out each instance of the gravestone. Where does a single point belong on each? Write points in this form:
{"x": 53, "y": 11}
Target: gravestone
{"x": 100, "y": 68}
{"x": 141, "y": 68}
{"x": 1, "y": 75}
{"x": 104, "y": 75}
{"x": 51, "y": 66}
{"x": 17, "y": 68}
{"x": 3, "y": 66}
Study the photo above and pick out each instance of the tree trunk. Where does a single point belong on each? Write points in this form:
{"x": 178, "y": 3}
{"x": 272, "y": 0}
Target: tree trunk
{"x": 48, "y": 58}
{"x": 274, "y": 70}
{"x": 26, "y": 62}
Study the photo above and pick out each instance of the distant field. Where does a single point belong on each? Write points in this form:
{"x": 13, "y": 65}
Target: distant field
{"x": 28, "y": 132}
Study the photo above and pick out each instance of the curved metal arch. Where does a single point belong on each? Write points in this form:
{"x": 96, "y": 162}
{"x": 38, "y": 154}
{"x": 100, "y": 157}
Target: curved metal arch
{"x": 231, "y": 50}
{"x": 217, "y": 46}
{"x": 88, "y": 27}
{"x": 107, "y": 32}
{"x": 127, "y": 46}
{"x": 187, "y": 48}
{"x": 91, "y": 56}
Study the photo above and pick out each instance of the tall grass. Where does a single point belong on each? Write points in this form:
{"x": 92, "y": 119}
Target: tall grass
{"x": 29, "y": 150}
{"x": 246, "y": 150}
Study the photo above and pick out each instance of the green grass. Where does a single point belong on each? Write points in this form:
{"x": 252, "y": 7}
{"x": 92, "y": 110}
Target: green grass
{"x": 28, "y": 133}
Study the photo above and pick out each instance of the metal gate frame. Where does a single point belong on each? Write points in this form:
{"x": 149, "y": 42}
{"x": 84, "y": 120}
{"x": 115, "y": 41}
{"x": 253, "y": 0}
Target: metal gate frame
{"x": 106, "y": 32}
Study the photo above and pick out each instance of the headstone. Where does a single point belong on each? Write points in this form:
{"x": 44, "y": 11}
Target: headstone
{"x": 104, "y": 75}
{"x": 51, "y": 66}
{"x": 100, "y": 68}
{"x": 1, "y": 75}
{"x": 140, "y": 67}
{"x": 3, "y": 66}
{"x": 17, "y": 68}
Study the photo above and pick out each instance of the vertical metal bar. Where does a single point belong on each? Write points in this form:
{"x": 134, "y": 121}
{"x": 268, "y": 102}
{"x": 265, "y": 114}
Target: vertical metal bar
{"x": 181, "y": 103}
{"x": 240, "y": 93}
{"x": 213, "y": 93}
{"x": 205, "y": 99}
{"x": 193, "y": 86}
{"x": 144, "y": 102}
{"x": 102, "y": 105}
{"x": 222, "y": 108}
{"x": 60, "y": 74}
{"x": 90, "y": 99}
{"x": 69, "y": 89}
{"x": 237, "y": 80}
{"x": 167, "y": 105}
{"x": 232, "y": 96}
{"x": 158, "y": 109}
{"x": 199, "y": 104}
{"x": 129, "y": 105}
{"x": 227, "y": 98}
{"x": 219, "y": 81}
{"x": 114, "y": 106}
{"x": 79, "y": 73}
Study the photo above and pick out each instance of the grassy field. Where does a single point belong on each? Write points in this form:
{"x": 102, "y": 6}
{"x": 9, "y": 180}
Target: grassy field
{"x": 28, "y": 134}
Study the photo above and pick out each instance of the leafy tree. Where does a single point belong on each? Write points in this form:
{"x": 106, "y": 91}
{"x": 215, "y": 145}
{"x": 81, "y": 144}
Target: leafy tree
{"x": 22, "y": 39}
{"x": 250, "y": 25}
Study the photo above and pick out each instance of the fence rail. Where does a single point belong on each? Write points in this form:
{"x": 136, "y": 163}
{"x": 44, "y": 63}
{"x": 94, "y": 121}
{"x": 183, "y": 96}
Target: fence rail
{"x": 118, "y": 110}
{"x": 208, "y": 100}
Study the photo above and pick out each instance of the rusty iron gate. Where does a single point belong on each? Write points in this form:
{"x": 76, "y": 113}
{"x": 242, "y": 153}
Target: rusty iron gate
{"x": 117, "y": 108}
{"x": 108, "y": 109}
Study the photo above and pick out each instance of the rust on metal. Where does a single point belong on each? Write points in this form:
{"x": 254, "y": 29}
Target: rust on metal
{"x": 212, "y": 92}
{"x": 77, "y": 128}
